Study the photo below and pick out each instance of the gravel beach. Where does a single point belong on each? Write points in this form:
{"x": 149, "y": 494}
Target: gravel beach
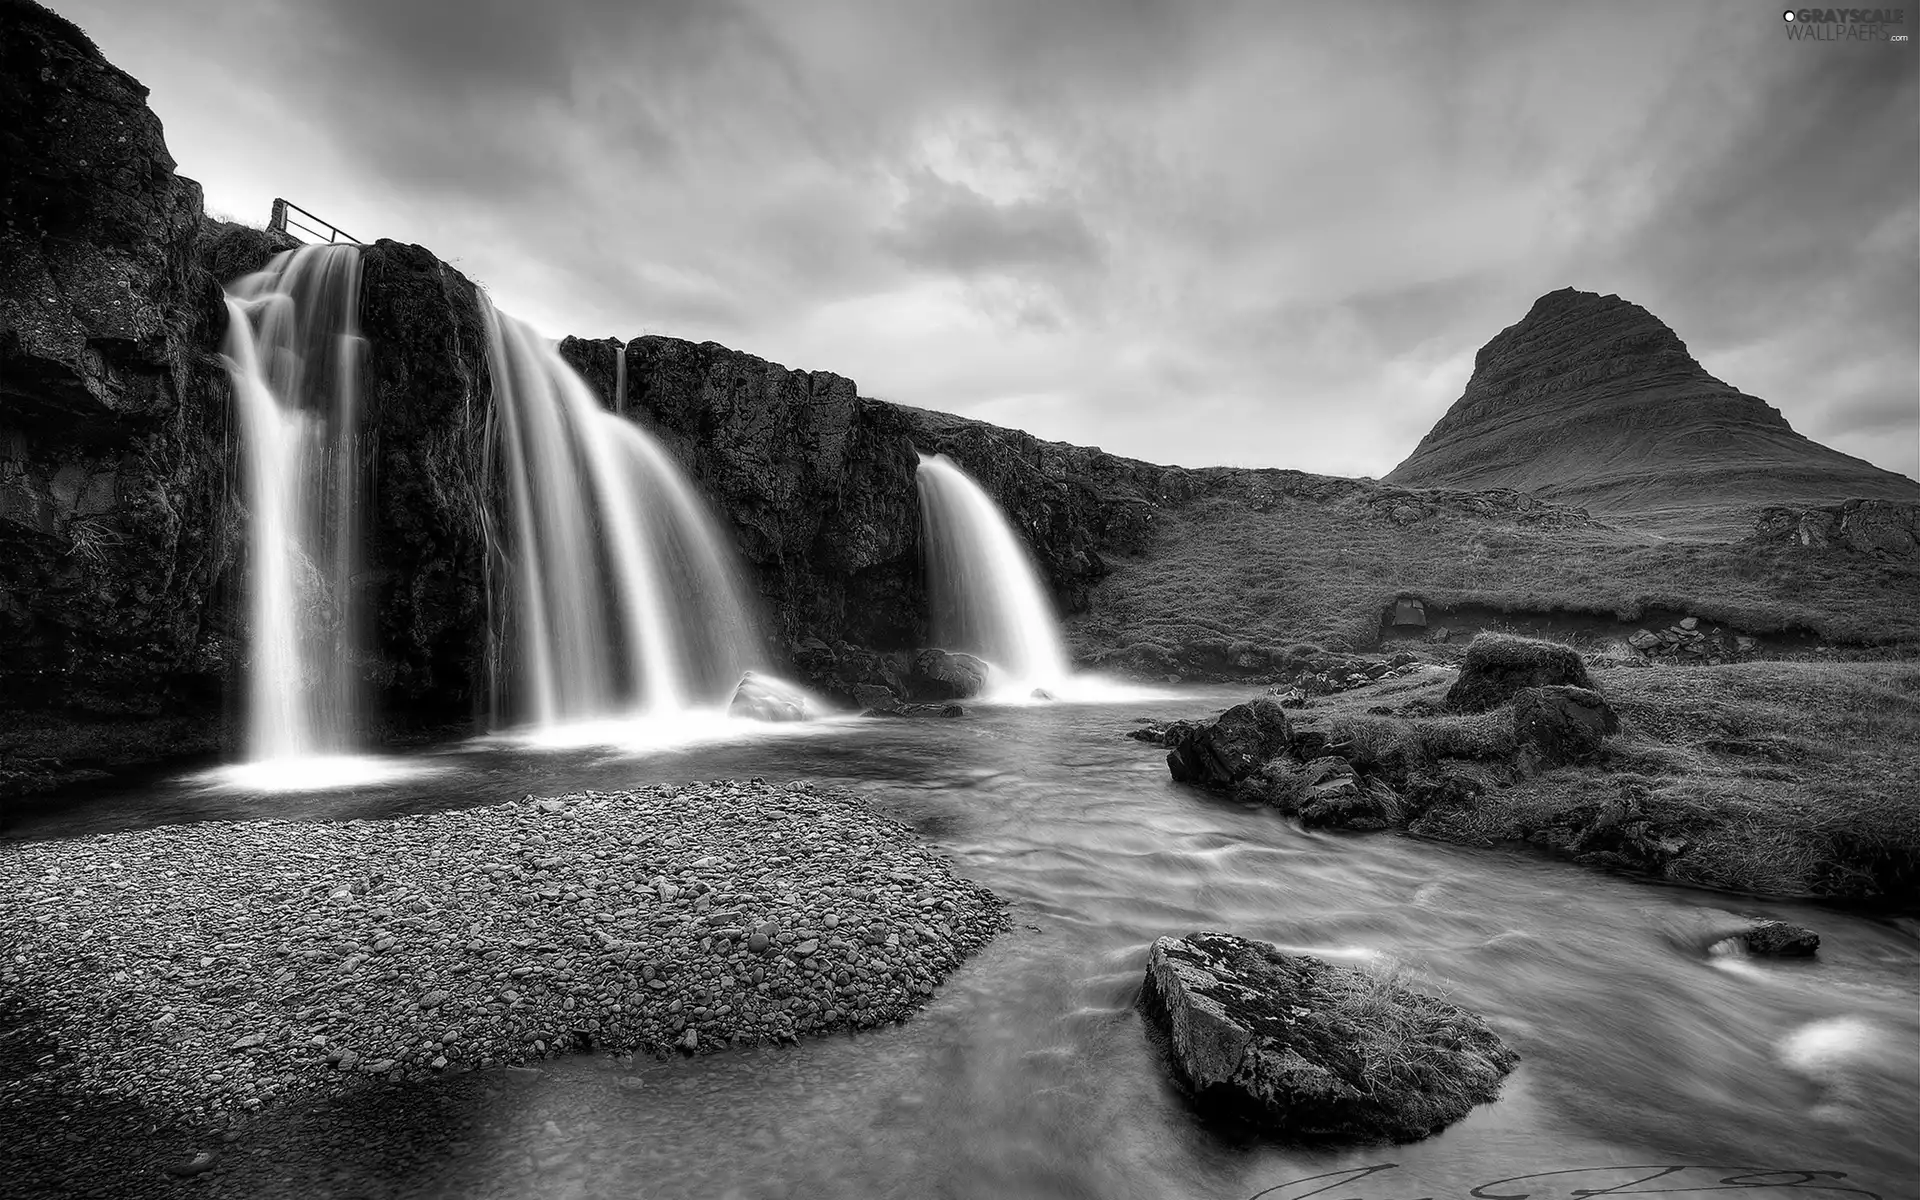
{"x": 201, "y": 969}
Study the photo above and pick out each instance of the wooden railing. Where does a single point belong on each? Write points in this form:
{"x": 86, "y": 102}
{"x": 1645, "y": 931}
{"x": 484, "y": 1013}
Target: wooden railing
{"x": 283, "y": 221}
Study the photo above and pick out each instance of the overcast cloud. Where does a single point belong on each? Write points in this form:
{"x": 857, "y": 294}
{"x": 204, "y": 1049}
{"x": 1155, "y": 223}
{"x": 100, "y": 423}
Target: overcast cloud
{"x": 1256, "y": 233}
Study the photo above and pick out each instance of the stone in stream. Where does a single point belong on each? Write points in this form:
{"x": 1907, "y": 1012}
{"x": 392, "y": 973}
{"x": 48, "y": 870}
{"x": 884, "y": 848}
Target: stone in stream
{"x": 1309, "y": 1051}
{"x": 943, "y": 675}
{"x": 1219, "y": 753}
{"x": 765, "y": 698}
{"x": 1778, "y": 939}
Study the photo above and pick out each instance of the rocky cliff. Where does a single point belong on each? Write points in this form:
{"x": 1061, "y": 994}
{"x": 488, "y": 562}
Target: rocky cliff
{"x": 1593, "y": 401}
{"x": 115, "y": 511}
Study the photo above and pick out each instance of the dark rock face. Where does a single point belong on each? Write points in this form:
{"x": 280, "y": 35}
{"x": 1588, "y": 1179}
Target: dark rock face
{"x": 1886, "y": 527}
{"x": 940, "y": 675}
{"x": 1218, "y": 754}
{"x": 1499, "y": 665}
{"x": 1308, "y": 1051}
{"x": 1590, "y": 400}
{"x": 426, "y": 395}
{"x": 1561, "y": 724}
{"x": 115, "y": 511}
{"x": 818, "y": 485}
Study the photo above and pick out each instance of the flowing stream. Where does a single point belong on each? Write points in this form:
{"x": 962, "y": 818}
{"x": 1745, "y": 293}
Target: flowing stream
{"x": 1031, "y": 1073}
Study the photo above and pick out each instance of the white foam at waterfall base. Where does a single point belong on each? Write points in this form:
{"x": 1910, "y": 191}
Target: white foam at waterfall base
{"x": 627, "y": 602}
{"x": 313, "y": 773}
{"x": 292, "y": 348}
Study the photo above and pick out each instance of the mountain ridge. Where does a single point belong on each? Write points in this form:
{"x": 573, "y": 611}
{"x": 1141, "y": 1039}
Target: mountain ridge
{"x": 1591, "y": 400}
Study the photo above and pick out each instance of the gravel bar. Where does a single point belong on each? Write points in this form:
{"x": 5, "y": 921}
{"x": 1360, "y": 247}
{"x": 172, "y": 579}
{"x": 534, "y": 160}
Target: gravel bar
{"x": 199, "y": 969}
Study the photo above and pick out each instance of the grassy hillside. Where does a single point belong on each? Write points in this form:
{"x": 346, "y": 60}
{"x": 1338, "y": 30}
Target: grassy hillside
{"x": 1322, "y": 571}
{"x": 1791, "y": 778}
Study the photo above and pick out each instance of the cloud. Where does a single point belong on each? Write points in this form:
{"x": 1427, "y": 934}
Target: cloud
{"x": 1236, "y": 231}
{"x": 950, "y": 227}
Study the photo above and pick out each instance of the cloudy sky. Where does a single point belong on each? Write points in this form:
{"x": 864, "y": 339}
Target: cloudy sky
{"x": 1261, "y": 233}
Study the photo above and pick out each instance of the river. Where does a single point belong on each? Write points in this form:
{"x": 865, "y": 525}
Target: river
{"x": 1031, "y": 1073}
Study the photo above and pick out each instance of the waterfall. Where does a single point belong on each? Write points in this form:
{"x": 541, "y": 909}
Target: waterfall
{"x": 625, "y": 597}
{"x": 987, "y": 598}
{"x": 293, "y": 351}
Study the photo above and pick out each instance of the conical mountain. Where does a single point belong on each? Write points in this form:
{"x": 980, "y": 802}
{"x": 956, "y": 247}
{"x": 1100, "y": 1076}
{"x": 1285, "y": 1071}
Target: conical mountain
{"x": 1593, "y": 401}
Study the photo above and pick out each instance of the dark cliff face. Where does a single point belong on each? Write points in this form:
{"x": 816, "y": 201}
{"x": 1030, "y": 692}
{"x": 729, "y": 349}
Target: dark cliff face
{"x": 115, "y": 511}
{"x": 818, "y": 484}
{"x": 1592, "y": 400}
{"x": 427, "y": 393}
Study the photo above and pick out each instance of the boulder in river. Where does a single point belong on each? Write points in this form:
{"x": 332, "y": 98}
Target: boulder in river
{"x": 1309, "y": 1051}
{"x": 939, "y": 675}
{"x": 1779, "y": 939}
{"x": 766, "y": 698}
{"x": 1221, "y": 752}
{"x": 1498, "y": 665}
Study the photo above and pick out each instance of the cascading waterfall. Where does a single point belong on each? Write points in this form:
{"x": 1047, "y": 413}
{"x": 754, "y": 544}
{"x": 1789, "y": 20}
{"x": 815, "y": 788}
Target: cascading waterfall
{"x": 626, "y": 599}
{"x": 986, "y": 595}
{"x": 293, "y": 351}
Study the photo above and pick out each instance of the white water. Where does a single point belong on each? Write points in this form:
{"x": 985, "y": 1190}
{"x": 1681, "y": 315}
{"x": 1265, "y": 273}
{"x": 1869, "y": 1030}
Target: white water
{"x": 293, "y": 350}
{"x": 986, "y": 595}
{"x": 626, "y": 600}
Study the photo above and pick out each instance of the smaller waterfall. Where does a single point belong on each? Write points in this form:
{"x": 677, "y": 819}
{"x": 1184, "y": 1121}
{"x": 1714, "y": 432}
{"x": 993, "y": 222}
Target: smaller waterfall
{"x": 626, "y": 598}
{"x": 293, "y": 348}
{"x": 987, "y": 598}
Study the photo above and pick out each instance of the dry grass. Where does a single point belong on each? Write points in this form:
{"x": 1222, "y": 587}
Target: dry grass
{"x": 1308, "y": 570}
{"x": 1415, "y": 1058}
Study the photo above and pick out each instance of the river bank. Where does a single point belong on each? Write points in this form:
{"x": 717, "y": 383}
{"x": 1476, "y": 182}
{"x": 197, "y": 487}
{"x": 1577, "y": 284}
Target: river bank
{"x": 203, "y": 968}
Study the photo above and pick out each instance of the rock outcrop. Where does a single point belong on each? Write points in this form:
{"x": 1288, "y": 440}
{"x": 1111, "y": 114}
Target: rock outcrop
{"x": 1560, "y": 724}
{"x": 1592, "y": 401}
{"x": 1886, "y": 527}
{"x": 116, "y": 517}
{"x": 1498, "y": 665}
{"x": 1311, "y": 1052}
{"x": 1219, "y": 753}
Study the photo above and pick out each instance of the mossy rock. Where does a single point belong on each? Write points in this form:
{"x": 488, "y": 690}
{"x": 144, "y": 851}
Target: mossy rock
{"x": 1308, "y": 1051}
{"x": 1498, "y": 665}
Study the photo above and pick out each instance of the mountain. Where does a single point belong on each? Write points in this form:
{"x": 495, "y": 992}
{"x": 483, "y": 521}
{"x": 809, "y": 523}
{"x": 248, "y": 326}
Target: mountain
{"x": 1593, "y": 401}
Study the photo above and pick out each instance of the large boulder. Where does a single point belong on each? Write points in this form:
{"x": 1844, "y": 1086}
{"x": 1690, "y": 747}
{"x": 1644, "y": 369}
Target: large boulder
{"x": 941, "y": 675}
{"x": 1556, "y": 725}
{"x": 1310, "y": 1051}
{"x": 1220, "y": 753}
{"x": 1497, "y": 665}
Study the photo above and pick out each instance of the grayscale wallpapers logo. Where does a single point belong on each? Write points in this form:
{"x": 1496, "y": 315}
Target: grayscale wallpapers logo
{"x": 1845, "y": 24}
